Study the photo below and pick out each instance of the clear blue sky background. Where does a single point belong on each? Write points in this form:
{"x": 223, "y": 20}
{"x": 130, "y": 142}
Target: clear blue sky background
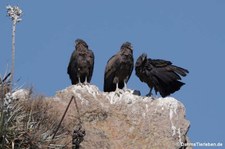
{"x": 190, "y": 33}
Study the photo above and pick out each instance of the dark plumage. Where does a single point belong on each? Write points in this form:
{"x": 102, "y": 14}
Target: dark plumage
{"x": 119, "y": 68}
{"x": 159, "y": 74}
{"x": 81, "y": 63}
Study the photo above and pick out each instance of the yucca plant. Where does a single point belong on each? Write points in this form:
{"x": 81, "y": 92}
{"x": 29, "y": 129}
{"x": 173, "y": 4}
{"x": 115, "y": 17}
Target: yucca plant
{"x": 31, "y": 122}
{"x": 15, "y": 13}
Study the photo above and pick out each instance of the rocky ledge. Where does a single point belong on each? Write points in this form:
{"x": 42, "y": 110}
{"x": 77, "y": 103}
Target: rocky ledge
{"x": 121, "y": 119}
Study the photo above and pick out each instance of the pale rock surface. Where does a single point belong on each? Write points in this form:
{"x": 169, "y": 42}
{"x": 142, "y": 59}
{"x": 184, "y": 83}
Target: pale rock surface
{"x": 21, "y": 94}
{"x": 121, "y": 120}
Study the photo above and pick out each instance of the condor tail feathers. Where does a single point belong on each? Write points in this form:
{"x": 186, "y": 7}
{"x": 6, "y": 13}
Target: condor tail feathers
{"x": 181, "y": 71}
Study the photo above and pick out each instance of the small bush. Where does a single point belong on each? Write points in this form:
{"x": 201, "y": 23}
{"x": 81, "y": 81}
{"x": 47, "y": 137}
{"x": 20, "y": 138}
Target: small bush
{"x": 29, "y": 123}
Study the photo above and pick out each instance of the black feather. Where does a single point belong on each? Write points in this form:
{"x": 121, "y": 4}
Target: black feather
{"x": 119, "y": 68}
{"x": 81, "y": 63}
{"x": 160, "y": 75}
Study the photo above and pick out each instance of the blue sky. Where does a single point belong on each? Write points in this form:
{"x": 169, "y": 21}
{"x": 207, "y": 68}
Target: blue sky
{"x": 191, "y": 34}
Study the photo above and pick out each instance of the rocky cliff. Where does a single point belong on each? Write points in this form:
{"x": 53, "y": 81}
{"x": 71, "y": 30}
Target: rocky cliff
{"x": 120, "y": 119}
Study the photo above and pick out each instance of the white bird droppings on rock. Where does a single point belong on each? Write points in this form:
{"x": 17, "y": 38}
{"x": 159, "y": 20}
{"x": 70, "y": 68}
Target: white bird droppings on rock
{"x": 160, "y": 121}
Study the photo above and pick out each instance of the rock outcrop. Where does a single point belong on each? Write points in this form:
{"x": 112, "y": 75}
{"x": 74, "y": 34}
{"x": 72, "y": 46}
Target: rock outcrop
{"x": 118, "y": 120}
